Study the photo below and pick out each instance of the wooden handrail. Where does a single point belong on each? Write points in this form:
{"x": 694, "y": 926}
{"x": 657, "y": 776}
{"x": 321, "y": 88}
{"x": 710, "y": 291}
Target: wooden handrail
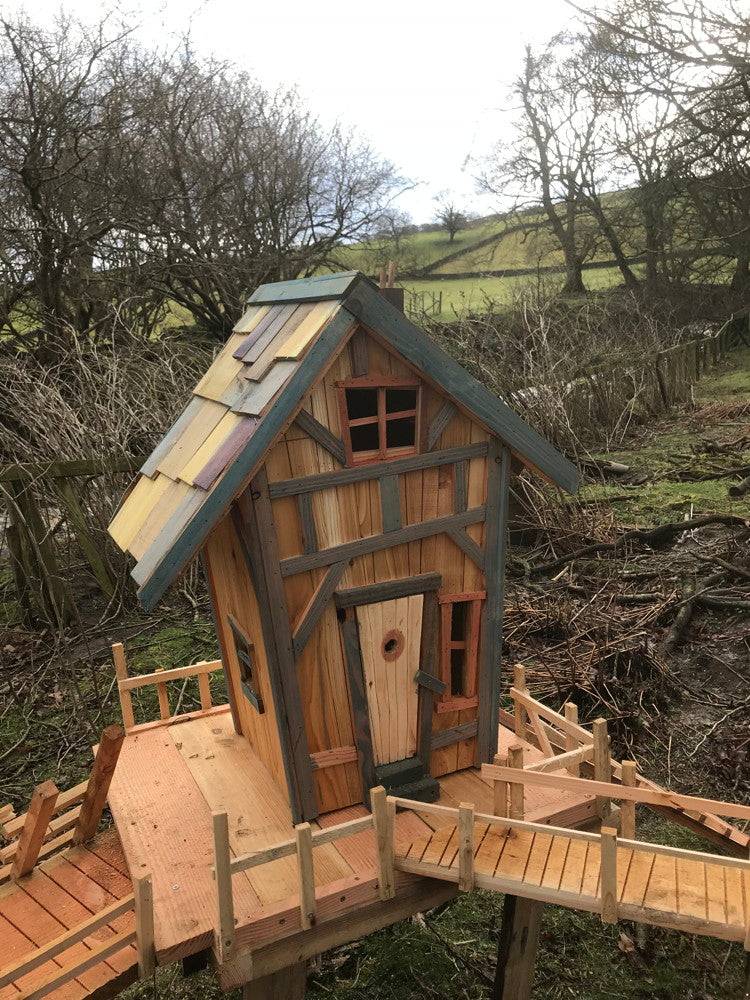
{"x": 612, "y": 791}
{"x": 173, "y": 674}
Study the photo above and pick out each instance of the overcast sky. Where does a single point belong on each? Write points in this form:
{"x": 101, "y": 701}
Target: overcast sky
{"x": 425, "y": 80}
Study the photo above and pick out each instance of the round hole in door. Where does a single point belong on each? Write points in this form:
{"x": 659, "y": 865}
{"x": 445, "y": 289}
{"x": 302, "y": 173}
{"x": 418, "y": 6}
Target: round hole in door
{"x": 393, "y": 644}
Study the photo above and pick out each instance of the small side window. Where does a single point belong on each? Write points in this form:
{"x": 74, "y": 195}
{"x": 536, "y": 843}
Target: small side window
{"x": 379, "y": 419}
{"x": 245, "y": 652}
{"x": 459, "y": 650}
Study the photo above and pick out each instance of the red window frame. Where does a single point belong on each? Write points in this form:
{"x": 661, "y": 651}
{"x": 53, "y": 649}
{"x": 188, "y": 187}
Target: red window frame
{"x": 448, "y": 702}
{"x": 381, "y": 383}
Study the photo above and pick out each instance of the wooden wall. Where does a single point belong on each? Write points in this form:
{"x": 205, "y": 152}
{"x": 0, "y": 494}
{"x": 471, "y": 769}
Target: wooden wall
{"x": 235, "y": 596}
{"x": 346, "y": 513}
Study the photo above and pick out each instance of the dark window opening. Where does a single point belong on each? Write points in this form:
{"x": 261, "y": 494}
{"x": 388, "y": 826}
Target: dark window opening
{"x": 365, "y": 437}
{"x": 245, "y": 652}
{"x": 458, "y": 673}
{"x": 458, "y": 621}
{"x": 459, "y": 650}
{"x": 398, "y": 400}
{"x": 361, "y": 403}
{"x": 401, "y": 433}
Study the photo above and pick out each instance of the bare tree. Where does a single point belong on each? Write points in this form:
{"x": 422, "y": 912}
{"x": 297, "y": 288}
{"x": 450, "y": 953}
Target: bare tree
{"x": 449, "y": 215}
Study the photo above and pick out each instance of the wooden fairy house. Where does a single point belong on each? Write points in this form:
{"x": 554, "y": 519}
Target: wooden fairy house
{"x": 345, "y": 482}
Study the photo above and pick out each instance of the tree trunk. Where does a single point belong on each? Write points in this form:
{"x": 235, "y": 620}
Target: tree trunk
{"x": 573, "y": 275}
{"x": 741, "y": 275}
{"x": 613, "y": 239}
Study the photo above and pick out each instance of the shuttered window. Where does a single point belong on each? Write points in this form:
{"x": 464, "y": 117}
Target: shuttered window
{"x": 245, "y": 653}
{"x": 459, "y": 650}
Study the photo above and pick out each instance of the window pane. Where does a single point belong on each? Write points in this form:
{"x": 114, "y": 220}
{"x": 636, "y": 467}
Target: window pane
{"x": 397, "y": 400}
{"x": 361, "y": 403}
{"x": 364, "y": 437}
{"x": 400, "y": 433}
{"x": 458, "y": 621}
{"x": 458, "y": 673}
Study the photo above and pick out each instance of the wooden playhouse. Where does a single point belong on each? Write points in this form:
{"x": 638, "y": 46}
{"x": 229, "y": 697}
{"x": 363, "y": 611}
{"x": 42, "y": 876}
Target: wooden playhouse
{"x": 345, "y": 482}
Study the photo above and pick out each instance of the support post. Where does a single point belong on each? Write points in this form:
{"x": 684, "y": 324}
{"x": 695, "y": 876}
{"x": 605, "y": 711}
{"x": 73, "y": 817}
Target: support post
{"x": 516, "y": 949}
{"x": 627, "y": 809}
{"x": 31, "y": 838}
{"x": 223, "y": 878}
{"x": 571, "y": 714}
{"x": 383, "y": 814}
{"x": 161, "y": 690}
{"x": 204, "y": 691}
{"x": 519, "y": 712}
{"x": 286, "y": 984}
{"x": 602, "y": 764}
{"x": 500, "y": 789}
{"x": 126, "y": 698}
{"x": 144, "y": 925}
{"x": 306, "y": 874}
{"x": 465, "y": 847}
{"x": 105, "y": 762}
{"x": 608, "y": 874}
{"x": 515, "y": 759}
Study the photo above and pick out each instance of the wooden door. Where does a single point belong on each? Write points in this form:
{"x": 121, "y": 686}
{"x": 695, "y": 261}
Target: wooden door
{"x": 390, "y": 635}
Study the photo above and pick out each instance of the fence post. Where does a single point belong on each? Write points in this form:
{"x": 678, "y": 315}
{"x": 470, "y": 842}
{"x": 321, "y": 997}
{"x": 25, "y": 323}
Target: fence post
{"x": 608, "y": 874}
{"x": 223, "y": 877}
{"x": 306, "y": 873}
{"x": 383, "y": 813}
{"x": 31, "y": 838}
{"x": 105, "y": 762}
{"x": 121, "y": 671}
{"x": 161, "y": 690}
{"x": 204, "y": 690}
{"x": 627, "y": 808}
{"x": 570, "y": 711}
{"x": 515, "y": 759}
{"x": 602, "y": 764}
{"x": 144, "y": 925}
{"x": 500, "y": 789}
{"x": 466, "y": 847}
{"x": 519, "y": 682}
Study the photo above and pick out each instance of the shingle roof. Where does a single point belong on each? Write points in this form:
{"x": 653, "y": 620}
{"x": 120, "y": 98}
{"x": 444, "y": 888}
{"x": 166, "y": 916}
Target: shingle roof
{"x": 289, "y": 334}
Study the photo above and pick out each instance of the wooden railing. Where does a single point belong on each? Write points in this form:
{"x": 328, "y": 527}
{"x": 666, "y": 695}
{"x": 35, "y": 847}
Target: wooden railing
{"x": 56, "y": 819}
{"x": 305, "y": 839}
{"x": 127, "y": 683}
{"x": 140, "y": 902}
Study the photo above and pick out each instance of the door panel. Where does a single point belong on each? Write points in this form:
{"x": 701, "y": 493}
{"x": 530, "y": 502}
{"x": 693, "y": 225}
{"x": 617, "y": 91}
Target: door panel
{"x": 390, "y": 635}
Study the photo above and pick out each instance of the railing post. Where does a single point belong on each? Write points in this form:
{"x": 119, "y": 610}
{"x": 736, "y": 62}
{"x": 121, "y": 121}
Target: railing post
{"x": 121, "y": 672}
{"x": 31, "y": 838}
{"x": 515, "y": 759}
{"x": 223, "y": 877}
{"x": 571, "y": 743}
{"x": 161, "y": 690}
{"x": 466, "y": 846}
{"x": 627, "y": 808}
{"x": 500, "y": 789}
{"x": 383, "y": 814}
{"x": 204, "y": 690}
{"x": 144, "y": 925}
{"x": 608, "y": 874}
{"x": 306, "y": 872}
{"x": 602, "y": 764}
{"x": 105, "y": 762}
{"x": 519, "y": 682}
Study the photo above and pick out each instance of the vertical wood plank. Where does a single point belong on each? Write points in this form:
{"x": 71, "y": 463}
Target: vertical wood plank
{"x": 390, "y": 503}
{"x": 519, "y": 712}
{"x": 459, "y": 487}
{"x": 144, "y": 925}
{"x": 466, "y": 846}
{"x": 223, "y": 877}
{"x": 204, "y": 691}
{"x": 306, "y": 875}
{"x": 515, "y": 759}
{"x": 307, "y": 520}
{"x": 500, "y": 789}
{"x": 602, "y": 764}
{"x": 428, "y": 654}
{"x": 360, "y": 358}
{"x": 629, "y": 770}
{"x": 570, "y": 711}
{"x": 228, "y": 679}
{"x": 121, "y": 672}
{"x": 608, "y": 874}
{"x": 517, "y": 948}
{"x": 358, "y": 699}
{"x": 383, "y": 813}
{"x": 105, "y": 762}
{"x": 161, "y": 690}
{"x": 38, "y": 816}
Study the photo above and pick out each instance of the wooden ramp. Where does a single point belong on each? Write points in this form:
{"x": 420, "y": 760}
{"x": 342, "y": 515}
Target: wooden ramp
{"x": 67, "y": 896}
{"x": 649, "y": 883}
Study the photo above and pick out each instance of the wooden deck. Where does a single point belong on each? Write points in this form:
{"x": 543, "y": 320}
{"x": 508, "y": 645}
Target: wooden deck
{"x": 200, "y": 766}
{"x": 58, "y": 895}
{"x": 668, "y": 889}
